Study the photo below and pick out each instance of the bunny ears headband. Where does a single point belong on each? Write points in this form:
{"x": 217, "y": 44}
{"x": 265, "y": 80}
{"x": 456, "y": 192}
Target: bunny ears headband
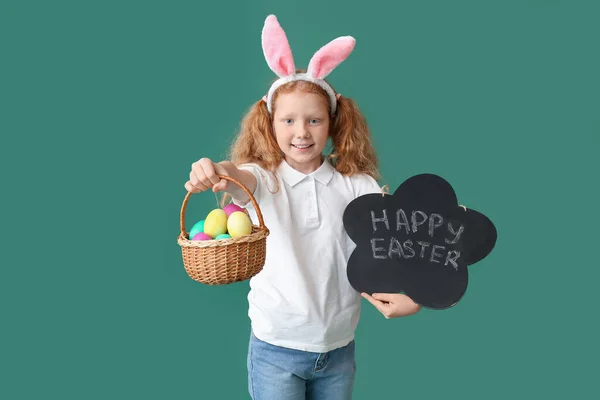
{"x": 279, "y": 57}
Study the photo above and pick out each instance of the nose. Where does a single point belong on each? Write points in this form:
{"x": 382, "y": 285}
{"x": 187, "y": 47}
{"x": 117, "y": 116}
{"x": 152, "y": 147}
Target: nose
{"x": 302, "y": 131}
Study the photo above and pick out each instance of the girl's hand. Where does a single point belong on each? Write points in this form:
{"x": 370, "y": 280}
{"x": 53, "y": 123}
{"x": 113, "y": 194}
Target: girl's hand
{"x": 204, "y": 176}
{"x": 393, "y": 305}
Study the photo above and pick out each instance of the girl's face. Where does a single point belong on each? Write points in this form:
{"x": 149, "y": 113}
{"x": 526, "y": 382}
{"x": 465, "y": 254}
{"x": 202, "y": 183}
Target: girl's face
{"x": 301, "y": 124}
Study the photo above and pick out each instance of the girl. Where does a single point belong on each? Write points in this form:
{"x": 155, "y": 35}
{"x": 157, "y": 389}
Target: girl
{"x": 303, "y": 310}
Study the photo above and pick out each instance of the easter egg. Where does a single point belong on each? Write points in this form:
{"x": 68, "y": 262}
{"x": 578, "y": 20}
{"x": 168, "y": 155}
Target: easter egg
{"x": 223, "y": 236}
{"x": 231, "y": 208}
{"x": 201, "y": 236}
{"x": 238, "y": 224}
{"x": 197, "y": 228}
{"x": 215, "y": 223}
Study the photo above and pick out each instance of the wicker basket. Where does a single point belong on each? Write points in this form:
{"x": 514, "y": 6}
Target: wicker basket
{"x": 221, "y": 262}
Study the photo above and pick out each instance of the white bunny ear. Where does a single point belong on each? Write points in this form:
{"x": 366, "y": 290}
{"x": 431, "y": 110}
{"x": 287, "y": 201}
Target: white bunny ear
{"x": 328, "y": 57}
{"x": 276, "y": 48}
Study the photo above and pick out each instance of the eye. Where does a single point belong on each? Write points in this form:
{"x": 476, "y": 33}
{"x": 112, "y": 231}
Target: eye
{"x": 288, "y": 121}
{"x": 314, "y": 121}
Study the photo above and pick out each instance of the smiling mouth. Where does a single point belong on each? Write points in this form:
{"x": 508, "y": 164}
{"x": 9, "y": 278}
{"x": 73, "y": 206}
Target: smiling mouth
{"x": 302, "y": 147}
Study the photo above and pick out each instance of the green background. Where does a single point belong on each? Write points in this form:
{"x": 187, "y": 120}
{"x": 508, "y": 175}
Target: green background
{"x": 106, "y": 104}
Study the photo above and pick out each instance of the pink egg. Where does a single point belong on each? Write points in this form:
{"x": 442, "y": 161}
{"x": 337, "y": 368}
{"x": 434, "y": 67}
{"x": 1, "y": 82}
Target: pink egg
{"x": 231, "y": 208}
{"x": 201, "y": 236}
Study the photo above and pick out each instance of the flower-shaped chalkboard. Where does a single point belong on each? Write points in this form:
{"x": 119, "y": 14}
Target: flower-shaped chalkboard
{"x": 418, "y": 241}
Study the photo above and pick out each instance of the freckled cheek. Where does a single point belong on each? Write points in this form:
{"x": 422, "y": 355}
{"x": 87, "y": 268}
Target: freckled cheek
{"x": 283, "y": 138}
{"x": 283, "y": 142}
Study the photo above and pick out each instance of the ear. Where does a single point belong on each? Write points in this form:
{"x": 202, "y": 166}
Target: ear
{"x": 328, "y": 57}
{"x": 276, "y": 48}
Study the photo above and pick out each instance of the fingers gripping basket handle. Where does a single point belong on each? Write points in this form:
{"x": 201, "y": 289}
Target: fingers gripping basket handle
{"x": 227, "y": 178}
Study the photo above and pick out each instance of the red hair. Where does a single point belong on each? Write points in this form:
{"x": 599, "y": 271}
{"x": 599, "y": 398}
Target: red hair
{"x": 352, "y": 151}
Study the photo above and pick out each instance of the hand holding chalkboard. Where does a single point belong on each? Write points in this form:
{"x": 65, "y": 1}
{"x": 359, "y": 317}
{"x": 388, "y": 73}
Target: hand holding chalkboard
{"x": 418, "y": 241}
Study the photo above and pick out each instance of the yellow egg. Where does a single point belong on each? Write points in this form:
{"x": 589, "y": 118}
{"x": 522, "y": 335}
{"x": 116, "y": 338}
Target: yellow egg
{"x": 238, "y": 224}
{"x": 215, "y": 223}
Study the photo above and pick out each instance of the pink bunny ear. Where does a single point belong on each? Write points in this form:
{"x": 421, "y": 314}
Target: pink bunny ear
{"x": 277, "y": 48}
{"x": 330, "y": 56}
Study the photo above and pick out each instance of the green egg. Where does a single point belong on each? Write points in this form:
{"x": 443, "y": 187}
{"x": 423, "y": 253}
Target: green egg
{"x": 223, "y": 236}
{"x": 197, "y": 228}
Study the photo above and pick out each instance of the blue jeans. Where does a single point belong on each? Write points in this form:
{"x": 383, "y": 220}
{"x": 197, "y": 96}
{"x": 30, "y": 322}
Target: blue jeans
{"x": 278, "y": 373}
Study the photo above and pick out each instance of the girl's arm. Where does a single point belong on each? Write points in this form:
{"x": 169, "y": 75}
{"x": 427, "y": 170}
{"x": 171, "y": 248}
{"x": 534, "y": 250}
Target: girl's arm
{"x": 246, "y": 178}
{"x": 205, "y": 175}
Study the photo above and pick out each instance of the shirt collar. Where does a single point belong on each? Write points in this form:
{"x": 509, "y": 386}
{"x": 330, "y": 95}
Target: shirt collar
{"x": 292, "y": 177}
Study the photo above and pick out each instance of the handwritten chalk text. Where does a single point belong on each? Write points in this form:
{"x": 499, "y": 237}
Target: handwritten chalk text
{"x": 434, "y": 225}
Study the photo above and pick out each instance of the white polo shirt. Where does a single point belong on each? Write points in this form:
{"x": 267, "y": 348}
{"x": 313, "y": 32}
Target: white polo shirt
{"x": 302, "y": 298}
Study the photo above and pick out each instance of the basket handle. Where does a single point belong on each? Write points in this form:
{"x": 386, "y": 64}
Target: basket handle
{"x": 227, "y": 178}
